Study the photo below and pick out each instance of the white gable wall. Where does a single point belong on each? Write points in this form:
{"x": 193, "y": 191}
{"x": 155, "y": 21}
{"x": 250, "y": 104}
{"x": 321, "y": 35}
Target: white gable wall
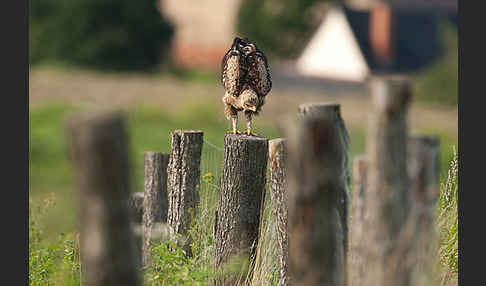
{"x": 333, "y": 52}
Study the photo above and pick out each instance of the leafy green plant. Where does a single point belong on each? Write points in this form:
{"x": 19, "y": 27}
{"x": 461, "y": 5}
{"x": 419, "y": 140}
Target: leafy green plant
{"x": 171, "y": 266}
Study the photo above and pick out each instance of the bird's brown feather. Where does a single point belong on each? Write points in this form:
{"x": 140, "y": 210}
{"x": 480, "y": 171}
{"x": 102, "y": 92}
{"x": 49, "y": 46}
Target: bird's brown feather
{"x": 233, "y": 73}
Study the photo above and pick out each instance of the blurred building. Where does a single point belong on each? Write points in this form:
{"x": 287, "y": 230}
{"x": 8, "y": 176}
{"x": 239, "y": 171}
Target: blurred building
{"x": 357, "y": 38}
{"x": 204, "y": 30}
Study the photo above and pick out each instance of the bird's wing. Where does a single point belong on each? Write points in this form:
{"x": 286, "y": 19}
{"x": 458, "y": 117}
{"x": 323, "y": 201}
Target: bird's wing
{"x": 232, "y": 74}
{"x": 260, "y": 74}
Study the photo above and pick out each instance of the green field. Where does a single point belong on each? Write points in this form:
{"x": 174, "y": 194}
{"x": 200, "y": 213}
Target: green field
{"x": 149, "y": 130}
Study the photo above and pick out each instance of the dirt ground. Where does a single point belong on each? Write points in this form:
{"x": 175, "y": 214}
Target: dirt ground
{"x": 123, "y": 90}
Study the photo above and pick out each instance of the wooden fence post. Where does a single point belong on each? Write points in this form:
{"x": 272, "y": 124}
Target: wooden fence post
{"x": 416, "y": 240}
{"x": 98, "y": 145}
{"x": 423, "y": 168}
{"x": 242, "y": 192}
{"x": 278, "y": 191}
{"x": 135, "y": 210}
{"x": 135, "y": 207}
{"x": 272, "y": 250}
{"x": 332, "y": 111}
{"x": 387, "y": 200}
{"x": 183, "y": 177}
{"x": 315, "y": 165}
{"x": 155, "y": 203}
{"x": 424, "y": 173}
{"x": 356, "y": 262}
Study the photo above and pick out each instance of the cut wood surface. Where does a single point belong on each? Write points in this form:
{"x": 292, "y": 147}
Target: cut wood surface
{"x": 242, "y": 191}
{"x": 99, "y": 151}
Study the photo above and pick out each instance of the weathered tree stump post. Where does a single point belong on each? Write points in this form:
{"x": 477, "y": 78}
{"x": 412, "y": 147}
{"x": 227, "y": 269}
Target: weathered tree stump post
{"x": 332, "y": 111}
{"x": 135, "y": 210}
{"x": 356, "y": 263}
{"x": 135, "y": 207}
{"x": 183, "y": 176}
{"x": 387, "y": 200}
{"x": 155, "y": 203}
{"x": 99, "y": 152}
{"x": 415, "y": 245}
{"x": 424, "y": 173}
{"x": 242, "y": 192}
{"x": 278, "y": 190}
{"x": 272, "y": 249}
{"x": 315, "y": 165}
{"x": 423, "y": 169}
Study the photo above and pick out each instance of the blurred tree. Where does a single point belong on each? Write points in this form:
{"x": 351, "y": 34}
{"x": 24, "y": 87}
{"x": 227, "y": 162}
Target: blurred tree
{"x": 281, "y": 28}
{"x": 438, "y": 83}
{"x": 108, "y": 34}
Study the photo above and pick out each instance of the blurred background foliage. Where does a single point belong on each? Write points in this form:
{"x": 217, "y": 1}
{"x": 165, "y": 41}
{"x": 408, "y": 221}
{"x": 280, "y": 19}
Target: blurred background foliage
{"x": 438, "y": 83}
{"x": 290, "y": 24}
{"x": 126, "y": 35}
{"x": 102, "y": 34}
{"x": 108, "y": 34}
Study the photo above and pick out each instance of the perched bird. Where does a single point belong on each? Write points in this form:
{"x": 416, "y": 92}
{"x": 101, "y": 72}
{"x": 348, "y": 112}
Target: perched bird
{"x": 246, "y": 80}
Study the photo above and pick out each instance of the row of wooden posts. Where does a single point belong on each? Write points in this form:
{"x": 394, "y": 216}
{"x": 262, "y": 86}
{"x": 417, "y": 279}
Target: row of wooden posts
{"x": 382, "y": 240}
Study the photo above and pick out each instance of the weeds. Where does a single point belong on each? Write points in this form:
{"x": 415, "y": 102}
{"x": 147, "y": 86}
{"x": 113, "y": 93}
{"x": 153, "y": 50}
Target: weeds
{"x": 171, "y": 266}
{"x": 447, "y": 225}
{"x": 55, "y": 263}
{"x": 42, "y": 258}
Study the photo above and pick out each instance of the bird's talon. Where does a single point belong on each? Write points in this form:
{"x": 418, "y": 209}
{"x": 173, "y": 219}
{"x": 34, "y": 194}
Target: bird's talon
{"x": 251, "y": 133}
{"x": 233, "y": 132}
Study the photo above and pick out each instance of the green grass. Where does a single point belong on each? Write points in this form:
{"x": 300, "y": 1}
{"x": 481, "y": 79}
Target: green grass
{"x": 447, "y": 225}
{"x": 149, "y": 130}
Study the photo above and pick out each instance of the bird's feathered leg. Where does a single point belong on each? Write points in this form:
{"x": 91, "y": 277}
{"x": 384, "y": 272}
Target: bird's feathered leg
{"x": 248, "y": 116}
{"x": 234, "y": 120}
{"x": 231, "y": 112}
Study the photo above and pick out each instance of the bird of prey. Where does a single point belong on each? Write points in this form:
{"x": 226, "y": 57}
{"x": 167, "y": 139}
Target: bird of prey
{"x": 246, "y": 80}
